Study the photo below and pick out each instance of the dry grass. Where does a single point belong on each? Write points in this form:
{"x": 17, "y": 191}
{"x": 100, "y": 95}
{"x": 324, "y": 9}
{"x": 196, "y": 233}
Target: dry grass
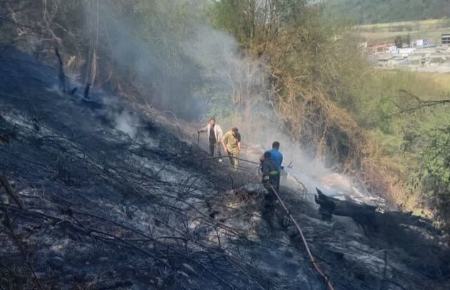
{"x": 406, "y": 25}
{"x": 383, "y": 174}
{"x": 427, "y": 85}
{"x": 441, "y": 80}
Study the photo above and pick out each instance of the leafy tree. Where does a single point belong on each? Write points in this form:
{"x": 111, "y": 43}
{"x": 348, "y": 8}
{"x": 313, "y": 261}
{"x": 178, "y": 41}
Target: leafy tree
{"x": 435, "y": 171}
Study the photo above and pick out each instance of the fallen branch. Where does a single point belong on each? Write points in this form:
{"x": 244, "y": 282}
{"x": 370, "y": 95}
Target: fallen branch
{"x": 4, "y": 182}
{"x": 421, "y": 104}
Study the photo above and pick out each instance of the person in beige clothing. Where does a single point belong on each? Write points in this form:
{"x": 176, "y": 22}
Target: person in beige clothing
{"x": 231, "y": 142}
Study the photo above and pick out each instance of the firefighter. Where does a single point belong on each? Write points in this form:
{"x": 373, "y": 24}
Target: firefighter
{"x": 231, "y": 142}
{"x": 270, "y": 177}
{"x": 214, "y": 133}
{"x": 277, "y": 158}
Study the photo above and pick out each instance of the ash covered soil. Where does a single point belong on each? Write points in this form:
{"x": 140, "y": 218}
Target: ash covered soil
{"x": 91, "y": 208}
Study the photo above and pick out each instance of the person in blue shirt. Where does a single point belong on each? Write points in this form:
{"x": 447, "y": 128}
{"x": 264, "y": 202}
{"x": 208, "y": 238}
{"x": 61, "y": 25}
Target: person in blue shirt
{"x": 270, "y": 177}
{"x": 277, "y": 158}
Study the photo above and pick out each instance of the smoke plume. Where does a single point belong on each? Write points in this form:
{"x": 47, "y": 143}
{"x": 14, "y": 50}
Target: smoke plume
{"x": 184, "y": 65}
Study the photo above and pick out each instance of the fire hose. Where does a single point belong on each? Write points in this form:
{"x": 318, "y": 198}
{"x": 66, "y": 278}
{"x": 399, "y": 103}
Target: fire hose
{"x": 305, "y": 243}
{"x": 299, "y": 229}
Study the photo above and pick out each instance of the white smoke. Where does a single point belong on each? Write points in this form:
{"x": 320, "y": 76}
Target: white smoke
{"x": 204, "y": 72}
{"x": 127, "y": 124}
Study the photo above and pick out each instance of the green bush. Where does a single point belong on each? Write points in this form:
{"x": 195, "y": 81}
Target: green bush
{"x": 435, "y": 171}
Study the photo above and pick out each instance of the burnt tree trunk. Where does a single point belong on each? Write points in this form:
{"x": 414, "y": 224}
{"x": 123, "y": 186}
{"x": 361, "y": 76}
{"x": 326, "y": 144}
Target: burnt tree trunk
{"x": 363, "y": 214}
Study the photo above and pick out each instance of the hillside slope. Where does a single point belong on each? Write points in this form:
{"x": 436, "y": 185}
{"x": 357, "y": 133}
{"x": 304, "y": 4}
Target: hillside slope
{"x": 97, "y": 209}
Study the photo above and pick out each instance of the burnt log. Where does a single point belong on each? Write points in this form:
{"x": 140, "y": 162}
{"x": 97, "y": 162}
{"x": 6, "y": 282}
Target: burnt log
{"x": 61, "y": 73}
{"x": 363, "y": 214}
{"x": 86, "y": 91}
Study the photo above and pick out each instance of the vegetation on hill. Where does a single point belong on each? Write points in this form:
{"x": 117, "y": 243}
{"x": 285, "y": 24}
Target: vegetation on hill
{"x": 343, "y": 110}
{"x": 379, "y": 11}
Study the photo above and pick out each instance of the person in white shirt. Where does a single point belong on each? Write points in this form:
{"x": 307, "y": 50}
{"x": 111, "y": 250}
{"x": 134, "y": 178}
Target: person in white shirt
{"x": 215, "y": 135}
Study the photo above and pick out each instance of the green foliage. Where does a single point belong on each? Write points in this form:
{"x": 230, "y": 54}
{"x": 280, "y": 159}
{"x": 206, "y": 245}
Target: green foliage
{"x": 254, "y": 20}
{"x": 410, "y": 135}
{"x": 435, "y": 171}
{"x": 237, "y": 17}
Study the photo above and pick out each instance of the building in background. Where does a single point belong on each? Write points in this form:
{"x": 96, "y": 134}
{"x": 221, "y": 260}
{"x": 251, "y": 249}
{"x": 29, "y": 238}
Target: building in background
{"x": 445, "y": 39}
{"x": 380, "y": 48}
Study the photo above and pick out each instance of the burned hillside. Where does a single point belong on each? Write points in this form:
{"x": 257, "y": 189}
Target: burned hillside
{"x": 86, "y": 206}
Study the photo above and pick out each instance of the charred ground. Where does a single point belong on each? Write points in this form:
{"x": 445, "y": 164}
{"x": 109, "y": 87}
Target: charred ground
{"x": 97, "y": 209}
